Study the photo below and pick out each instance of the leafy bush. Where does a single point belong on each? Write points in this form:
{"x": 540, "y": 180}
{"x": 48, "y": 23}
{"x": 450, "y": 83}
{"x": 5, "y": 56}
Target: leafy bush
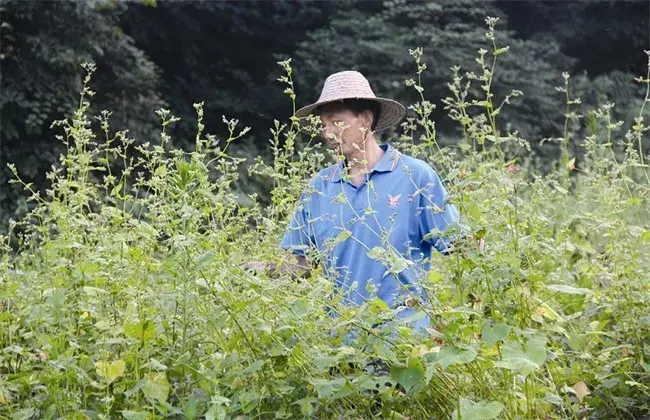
{"x": 123, "y": 292}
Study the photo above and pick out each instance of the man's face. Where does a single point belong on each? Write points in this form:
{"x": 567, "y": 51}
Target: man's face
{"x": 343, "y": 129}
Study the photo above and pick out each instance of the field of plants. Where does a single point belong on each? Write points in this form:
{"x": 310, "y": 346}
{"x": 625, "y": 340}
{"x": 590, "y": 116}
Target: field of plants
{"x": 123, "y": 294}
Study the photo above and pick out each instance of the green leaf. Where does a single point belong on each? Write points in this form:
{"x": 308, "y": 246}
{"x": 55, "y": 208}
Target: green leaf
{"x": 24, "y": 414}
{"x": 190, "y": 408}
{"x": 576, "y": 341}
{"x": 523, "y": 359}
{"x": 110, "y": 371}
{"x": 345, "y": 234}
{"x": 142, "y": 331}
{"x": 216, "y": 412}
{"x": 409, "y": 377}
{"x": 400, "y": 264}
{"x": 645, "y": 366}
{"x": 136, "y": 415}
{"x": 376, "y": 253}
{"x": 327, "y": 388}
{"x": 435, "y": 276}
{"x": 561, "y": 190}
{"x": 376, "y": 306}
{"x": 451, "y": 355}
{"x": 494, "y": 332}
{"x": 154, "y": 364}
{"x": 256, "y": 366}
{"x": 306, "y": 408}
{"x": 518, "y": 364}
{"x": 117, "y": 190}
{"x": 203, "y": 258}
{"x": 562, "y": 288}
{"x": 323, "y": 363}
{"x": 138, "y": 386}
{"x": 156, "y": 386}
{"x": 480, "y": 411}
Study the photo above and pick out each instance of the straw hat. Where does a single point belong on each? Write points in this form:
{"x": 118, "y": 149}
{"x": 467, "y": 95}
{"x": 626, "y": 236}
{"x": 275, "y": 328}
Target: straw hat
{"x": 353, "y": 85}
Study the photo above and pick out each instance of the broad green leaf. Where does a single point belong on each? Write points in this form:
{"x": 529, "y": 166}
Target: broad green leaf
{"x": 156, "y": 386}
{"x": 480, "y": 411}
{"x": 399, "y": 265}
{"x": 216, "y": 412}
{"x": 327, "y": 388}
{"x": 451, "y": 355}
{"x": 563, "y": 288}
{"x": 136, "y": 415}
{"x": 323, "y": 363}
{"x": 24, "y": 414}
{"x": 523, "y": 359}
{"x": 110, "y": 370}
{"x": 494, "y": 332}
{"x": 513, "y": 350}
{"x": 535, "y": 349}
{"x": 143, "y": 331}
{"x": 376, "y": 253}
{"x": 435, "y": 276}
{"x": 306, "y": 407}
{"x": 409, "y": 377}
{"x": 376, "y": 305}
{"x": 576, "y": 341}
{"x": 518, "y": 364}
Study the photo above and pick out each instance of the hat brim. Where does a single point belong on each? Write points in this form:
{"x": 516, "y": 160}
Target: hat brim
{"x": 391, "y": 112}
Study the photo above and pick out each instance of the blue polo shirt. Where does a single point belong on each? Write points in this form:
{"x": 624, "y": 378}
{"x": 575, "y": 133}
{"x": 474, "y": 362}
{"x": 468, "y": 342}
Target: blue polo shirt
{"x": 375, "y": 238}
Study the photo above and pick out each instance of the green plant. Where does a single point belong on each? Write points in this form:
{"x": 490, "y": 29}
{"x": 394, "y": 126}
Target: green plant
{"x": 124, "y": 293}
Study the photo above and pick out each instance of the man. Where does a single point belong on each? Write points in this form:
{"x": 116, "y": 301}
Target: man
{"x": 374, "y": 218}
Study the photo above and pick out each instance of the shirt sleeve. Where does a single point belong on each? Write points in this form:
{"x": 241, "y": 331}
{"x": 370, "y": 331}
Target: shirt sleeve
{"x": 296, "y": 237}
{"x": 437, "y": 217}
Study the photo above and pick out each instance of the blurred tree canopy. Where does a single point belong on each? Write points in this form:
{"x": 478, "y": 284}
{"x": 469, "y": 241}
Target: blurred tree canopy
{"x": 152, "y": 54}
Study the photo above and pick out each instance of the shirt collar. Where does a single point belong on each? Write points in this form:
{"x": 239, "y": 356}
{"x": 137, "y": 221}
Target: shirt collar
{"x": 387, "y": 163}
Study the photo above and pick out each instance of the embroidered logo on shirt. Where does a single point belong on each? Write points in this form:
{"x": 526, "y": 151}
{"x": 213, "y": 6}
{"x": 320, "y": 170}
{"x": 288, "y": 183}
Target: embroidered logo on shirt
{"x": 393, "y": 202}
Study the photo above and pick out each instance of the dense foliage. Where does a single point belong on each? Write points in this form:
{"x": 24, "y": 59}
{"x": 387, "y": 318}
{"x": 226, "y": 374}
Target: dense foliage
{"x": 124, "y": 294}
{"x": 172, "y": 53}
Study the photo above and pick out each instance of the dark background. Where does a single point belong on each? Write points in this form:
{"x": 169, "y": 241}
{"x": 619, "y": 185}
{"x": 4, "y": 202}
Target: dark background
{"x": 153, "y": 54}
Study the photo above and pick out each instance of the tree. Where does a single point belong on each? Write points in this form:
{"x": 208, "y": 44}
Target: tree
{"x": 43, "y": 46}
{"x": 450, "y": 33}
